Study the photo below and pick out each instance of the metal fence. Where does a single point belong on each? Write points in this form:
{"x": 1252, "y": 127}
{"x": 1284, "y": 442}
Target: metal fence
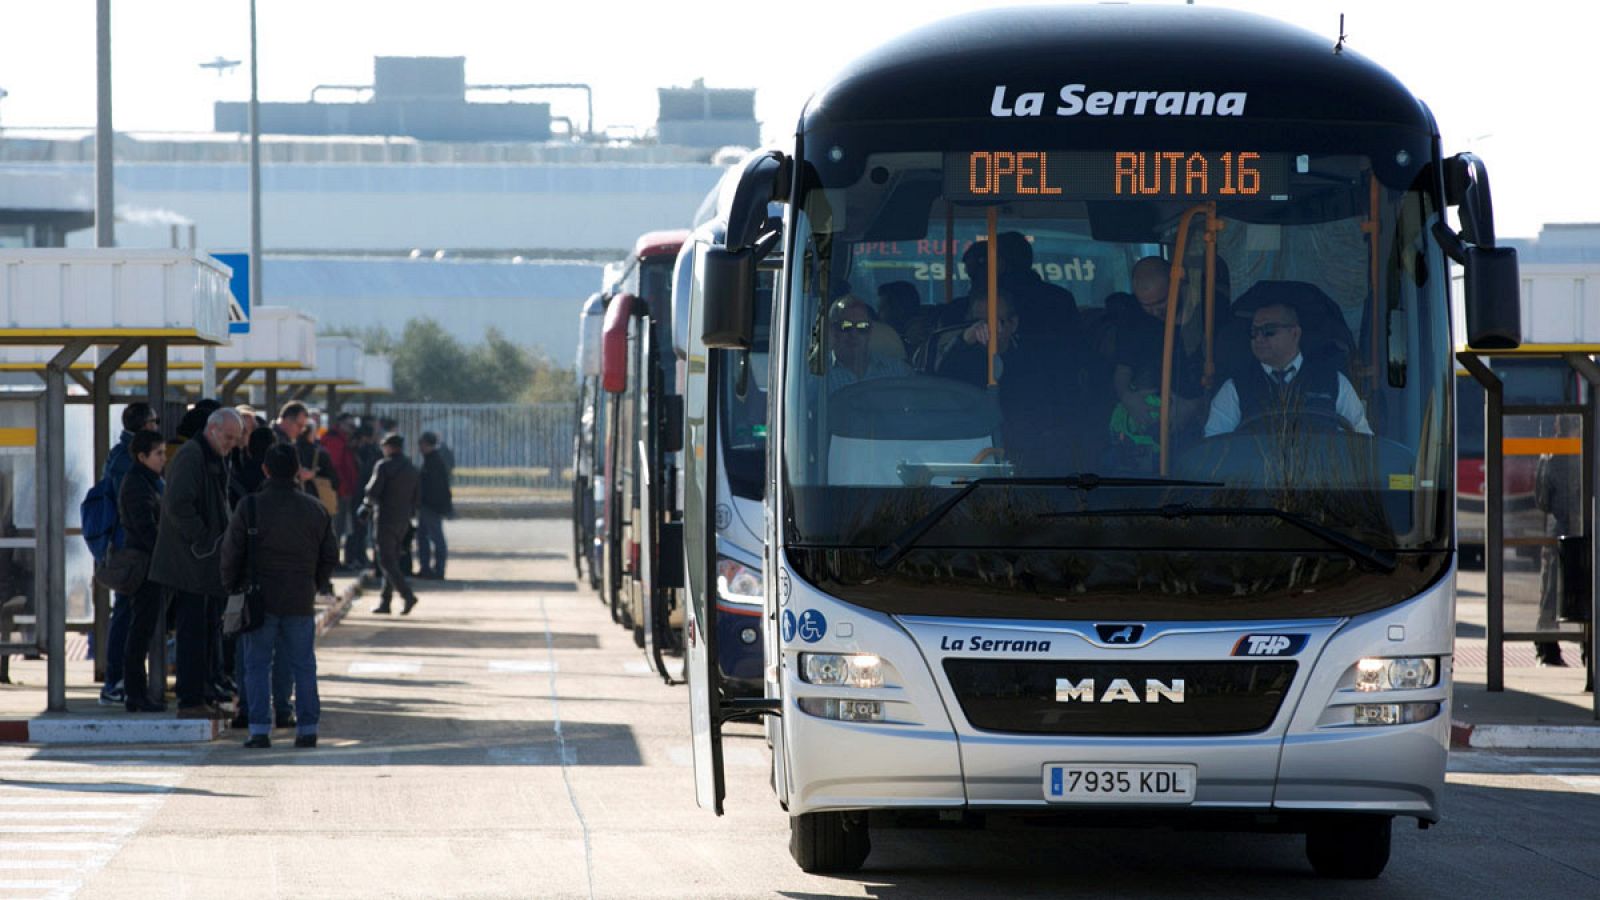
{"x": 496, "y": 445}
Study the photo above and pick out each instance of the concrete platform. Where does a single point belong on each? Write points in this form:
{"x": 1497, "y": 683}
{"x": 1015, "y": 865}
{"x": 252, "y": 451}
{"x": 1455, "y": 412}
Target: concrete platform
{"x": 87, "y": 722}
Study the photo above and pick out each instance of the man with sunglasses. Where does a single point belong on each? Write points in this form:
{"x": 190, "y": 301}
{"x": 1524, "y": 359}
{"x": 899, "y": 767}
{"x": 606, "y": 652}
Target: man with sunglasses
{"x": 1283, "y": 381}
{"x": 850, "y": 338}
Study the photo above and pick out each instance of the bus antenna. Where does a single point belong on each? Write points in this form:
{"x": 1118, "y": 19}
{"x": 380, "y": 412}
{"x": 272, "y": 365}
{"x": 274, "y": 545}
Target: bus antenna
{"x": 1339, "y": 47}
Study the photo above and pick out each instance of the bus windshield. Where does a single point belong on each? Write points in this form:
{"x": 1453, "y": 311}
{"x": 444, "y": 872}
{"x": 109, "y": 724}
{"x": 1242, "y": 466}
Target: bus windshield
{"x": 1265, "y": 315}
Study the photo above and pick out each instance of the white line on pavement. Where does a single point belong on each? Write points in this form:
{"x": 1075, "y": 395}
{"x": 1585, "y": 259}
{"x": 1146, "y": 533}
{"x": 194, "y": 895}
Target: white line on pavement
{"x": 41, "y": 816}
{"x": 521, "y": 665}
{"x": 40, "y": 863}
{"x": 33, "y": 787}
{"x": 41, "y": 772}
{"x": 1590, "y": 783}
{"x": 636, "y": 667}
{"x": 561, "y": 741}
{"x": 384, "y": 668}
{"x": 25, "y": 800}
{"x": 65, "y": 829}
{"x": 59, "y": 846}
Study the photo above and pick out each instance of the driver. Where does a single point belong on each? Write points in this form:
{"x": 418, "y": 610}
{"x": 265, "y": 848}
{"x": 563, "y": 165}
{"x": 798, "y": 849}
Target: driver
{"x": 852, "y": 359}
{"x": 1283, "y": 379}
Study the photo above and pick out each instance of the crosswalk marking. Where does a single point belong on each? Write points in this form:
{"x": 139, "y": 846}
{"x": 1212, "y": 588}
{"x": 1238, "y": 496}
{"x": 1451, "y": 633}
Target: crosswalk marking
{"x": 64, "y": 814}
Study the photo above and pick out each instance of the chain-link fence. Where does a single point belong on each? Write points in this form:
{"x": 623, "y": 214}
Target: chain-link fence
{"x": 501, "y": 450}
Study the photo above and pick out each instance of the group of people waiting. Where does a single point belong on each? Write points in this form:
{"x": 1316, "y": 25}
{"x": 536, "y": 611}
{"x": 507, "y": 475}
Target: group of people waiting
{"x": 235, "y": 502}
{"x": 1054, "y": 369}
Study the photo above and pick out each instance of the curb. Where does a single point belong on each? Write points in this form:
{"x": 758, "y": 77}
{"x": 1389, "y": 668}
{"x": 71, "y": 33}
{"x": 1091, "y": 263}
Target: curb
{"x": 1524, "y": 737}
{"x": 59, "y": 729}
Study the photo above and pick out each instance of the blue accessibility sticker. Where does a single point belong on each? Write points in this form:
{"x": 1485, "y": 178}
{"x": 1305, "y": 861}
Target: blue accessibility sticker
{"x": 788, "y": 625}
{"x": 812, "y": 626}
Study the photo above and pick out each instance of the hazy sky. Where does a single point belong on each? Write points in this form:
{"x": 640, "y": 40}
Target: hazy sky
{"x": 1508, "y": 80}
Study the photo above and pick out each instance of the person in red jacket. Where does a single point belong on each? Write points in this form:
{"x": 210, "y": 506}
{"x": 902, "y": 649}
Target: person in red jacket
{"x": 337, "y": 445}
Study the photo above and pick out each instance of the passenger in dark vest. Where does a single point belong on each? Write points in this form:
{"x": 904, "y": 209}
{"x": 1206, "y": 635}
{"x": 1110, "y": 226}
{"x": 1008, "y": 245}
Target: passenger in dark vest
{"x": 1284, "y": 381}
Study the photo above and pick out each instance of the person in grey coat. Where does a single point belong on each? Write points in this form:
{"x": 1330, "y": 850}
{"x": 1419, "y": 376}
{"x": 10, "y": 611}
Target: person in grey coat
{"x": 391, "y": 498}
{"x": 294, "y": 554}
{"x": 194, "y": 516}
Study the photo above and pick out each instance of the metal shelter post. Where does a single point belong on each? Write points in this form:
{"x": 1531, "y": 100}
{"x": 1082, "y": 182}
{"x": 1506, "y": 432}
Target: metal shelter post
{"x": 230, "y": 387}
{"x": 1494, "y": 524}
{"x": 271, "y": 406}
{"x": 1590, "y": 370}
{"x": 50, "y": 572}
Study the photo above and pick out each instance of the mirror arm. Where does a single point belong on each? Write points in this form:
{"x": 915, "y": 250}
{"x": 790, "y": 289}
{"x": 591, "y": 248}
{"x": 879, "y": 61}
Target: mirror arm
{"x": 1450, "y": 243}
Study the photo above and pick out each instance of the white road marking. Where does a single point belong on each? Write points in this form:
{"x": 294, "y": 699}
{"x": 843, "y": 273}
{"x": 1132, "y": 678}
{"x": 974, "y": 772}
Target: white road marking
{"x": 637, "y": 667}
{"x": 521, "y": 665}
{"x": 1590, "y": 783}
{"x": 47, "y": 800}
{"x": 384, "y": 668}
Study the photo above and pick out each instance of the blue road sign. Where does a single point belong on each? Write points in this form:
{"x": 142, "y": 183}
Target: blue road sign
{"x": 238, "y": 317}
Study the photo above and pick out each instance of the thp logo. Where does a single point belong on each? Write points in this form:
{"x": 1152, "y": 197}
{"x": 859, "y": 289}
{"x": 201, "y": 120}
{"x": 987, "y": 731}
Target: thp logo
{"x": 1119, "y": 633}
{"x": 1270, "y": 645}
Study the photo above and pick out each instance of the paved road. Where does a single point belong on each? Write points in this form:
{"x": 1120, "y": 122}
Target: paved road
{"x": 506, "y": 741}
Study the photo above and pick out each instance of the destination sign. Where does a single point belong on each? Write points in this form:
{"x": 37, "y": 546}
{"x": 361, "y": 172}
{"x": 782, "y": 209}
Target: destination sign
{"x": 1116, "y": 174}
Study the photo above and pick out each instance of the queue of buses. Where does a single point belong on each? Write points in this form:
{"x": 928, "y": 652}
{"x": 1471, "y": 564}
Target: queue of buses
{"x": 1100, "y": 571}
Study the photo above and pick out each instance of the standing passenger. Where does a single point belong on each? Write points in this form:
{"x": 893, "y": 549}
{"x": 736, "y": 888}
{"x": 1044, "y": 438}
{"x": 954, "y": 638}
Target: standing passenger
{"x": 294, "y": 554}
{"x": 139, "y": 511}
{"x": 392, "y": 501}
{"x": 136, "y": 418}
{"x": 436, "y": 506}
{"x": 194, "y": 516}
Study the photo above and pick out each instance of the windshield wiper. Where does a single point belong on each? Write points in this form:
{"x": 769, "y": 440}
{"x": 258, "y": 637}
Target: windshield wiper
{"x": 1360, "y": 551}
{"x": 896, "y": 549}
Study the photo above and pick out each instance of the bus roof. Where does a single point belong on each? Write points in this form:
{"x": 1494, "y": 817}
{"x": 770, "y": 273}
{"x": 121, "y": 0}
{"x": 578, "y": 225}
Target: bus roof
{"x": 952, "y": 70}
{"x": 660, "y": 243}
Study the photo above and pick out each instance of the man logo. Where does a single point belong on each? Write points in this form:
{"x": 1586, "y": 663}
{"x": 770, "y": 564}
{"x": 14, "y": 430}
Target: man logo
{"x": 1119, "y": 634}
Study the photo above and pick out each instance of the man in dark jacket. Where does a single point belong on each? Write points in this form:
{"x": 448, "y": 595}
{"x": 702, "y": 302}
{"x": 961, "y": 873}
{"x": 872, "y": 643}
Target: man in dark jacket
{"x": 136, "y": 417}
{"x": 289, "y": 428}
{"x": 367, "y": 456}
{"x": 290, "y": 552}
{"x": 436, "y": 506}
{"x": 391, "y": 499}
{"x": 139, "y": 512}
{"x": 194, "y": 516}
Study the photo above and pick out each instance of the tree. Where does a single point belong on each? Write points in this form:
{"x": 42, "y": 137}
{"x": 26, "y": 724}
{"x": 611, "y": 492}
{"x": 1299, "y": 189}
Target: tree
{"x": 432, "y": 366}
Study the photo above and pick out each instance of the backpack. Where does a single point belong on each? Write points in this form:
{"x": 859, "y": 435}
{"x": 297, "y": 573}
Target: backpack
{"x": 102, "y": 529}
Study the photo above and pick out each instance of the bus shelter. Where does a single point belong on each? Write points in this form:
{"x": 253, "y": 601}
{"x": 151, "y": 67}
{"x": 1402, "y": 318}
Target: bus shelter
{"x": 280, "y": 339}
{"x": 1571, "y": 433}
{"x": 76, "y": 317}
{"x": 339, "y": 368}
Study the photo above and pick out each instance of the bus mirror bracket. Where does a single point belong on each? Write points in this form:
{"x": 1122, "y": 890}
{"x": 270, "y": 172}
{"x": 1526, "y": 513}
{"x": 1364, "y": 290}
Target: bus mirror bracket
{"x": 765, "y": 180}
{"x": 1493, "y": 307}
{"x": 728, "y": 319}
{"x": 672, "y": 423}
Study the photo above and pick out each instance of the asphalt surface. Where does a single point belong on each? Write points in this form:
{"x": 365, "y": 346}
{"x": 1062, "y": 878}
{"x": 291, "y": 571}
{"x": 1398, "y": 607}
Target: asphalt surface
{"x": 506, "y": 740}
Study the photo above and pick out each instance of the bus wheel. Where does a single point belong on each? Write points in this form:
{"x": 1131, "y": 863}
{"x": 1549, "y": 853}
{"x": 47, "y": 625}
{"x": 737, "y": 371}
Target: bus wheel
{"x": 1349, "y": 847}
{"x": 829, "y": 841}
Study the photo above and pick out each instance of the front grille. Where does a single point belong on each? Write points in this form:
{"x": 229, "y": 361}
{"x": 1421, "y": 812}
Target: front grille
{"x": 1234, "y": 697}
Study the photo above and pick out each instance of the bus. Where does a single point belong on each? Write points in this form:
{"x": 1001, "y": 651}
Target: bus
{"x": 1060, "y": 561}
{"x": 637, "y": 369}
{"x": 586, "y": 464}
{"x": 740, "y": 447}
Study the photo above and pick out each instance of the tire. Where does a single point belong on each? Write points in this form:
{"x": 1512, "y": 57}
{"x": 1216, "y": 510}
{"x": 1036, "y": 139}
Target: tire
{"x": 829, "y": 841}
{"x": 1350, "y": 847}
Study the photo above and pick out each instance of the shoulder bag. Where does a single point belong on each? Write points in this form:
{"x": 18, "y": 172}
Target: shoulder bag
{"x": 247, "y": 609}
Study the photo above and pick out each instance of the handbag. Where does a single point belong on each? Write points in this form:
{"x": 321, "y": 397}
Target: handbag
{"x": 328, "y": 496}
{"x": 124, "y": 571}
{"x": 247, "y": 609}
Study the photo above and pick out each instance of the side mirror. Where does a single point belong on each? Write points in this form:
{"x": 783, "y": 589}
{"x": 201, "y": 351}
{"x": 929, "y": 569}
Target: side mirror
{"x": 1493, "y": 302}
{"x": 728, "y": 319}
{"x": 1494, "y": 309}
{"x": 614, "y": 344}
{"x": 763, "y": 181}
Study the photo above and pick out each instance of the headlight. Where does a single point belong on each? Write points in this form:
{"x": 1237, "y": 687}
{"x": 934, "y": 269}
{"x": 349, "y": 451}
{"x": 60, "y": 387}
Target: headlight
{"x": 1401, "y": 674}
{"x": 860, "y": 670}
{"x": 843, "y": 710}
{"x": 1393, "y": 713}
{"x": 738, "y": 583}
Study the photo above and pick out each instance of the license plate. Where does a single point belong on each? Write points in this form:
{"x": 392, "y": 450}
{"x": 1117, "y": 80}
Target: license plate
{"x": 1107, "y": 783}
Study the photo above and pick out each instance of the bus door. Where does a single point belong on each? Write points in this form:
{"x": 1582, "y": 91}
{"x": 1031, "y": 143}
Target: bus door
{"x": 614, "y": 382}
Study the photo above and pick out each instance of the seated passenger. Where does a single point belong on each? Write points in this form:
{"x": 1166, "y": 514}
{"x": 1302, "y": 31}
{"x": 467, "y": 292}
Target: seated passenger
{"x": 1139, "y": 347}
{"x": 967, "y": 358}
{"x": 1284, "y": 380}
{"x": 851, "y": 357}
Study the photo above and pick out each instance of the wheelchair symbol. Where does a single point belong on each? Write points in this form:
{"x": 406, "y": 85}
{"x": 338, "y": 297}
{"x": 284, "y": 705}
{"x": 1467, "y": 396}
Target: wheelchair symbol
{"x": 812, "y": 626}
